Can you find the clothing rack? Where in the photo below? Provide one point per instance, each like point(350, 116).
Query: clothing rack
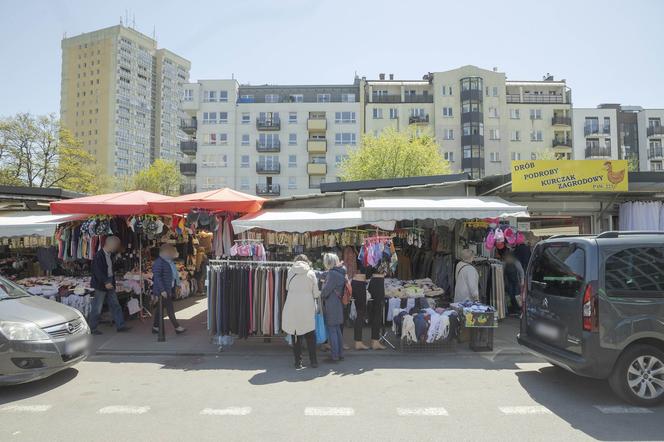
point(217, 262)
point(249, 240)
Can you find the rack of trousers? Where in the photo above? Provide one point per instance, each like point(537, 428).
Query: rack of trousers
point(246, 298)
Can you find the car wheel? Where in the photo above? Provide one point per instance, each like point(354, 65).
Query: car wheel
point(638, 376)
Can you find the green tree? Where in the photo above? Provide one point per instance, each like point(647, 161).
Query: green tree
point(394, 154)
point(36, 151)
point(161, 177)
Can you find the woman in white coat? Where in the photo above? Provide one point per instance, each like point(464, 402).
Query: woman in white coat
point(298, 319)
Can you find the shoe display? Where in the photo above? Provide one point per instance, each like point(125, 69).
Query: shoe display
point(376, 345)
point(359, 345)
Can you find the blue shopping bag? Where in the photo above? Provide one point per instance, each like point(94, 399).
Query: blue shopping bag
point(321, 332)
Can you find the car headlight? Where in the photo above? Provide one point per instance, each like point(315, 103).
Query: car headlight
point(84, 323)
point(22, 331)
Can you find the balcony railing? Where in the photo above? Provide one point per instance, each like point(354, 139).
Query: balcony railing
point(562, 142)
point(596, 130)
point(655, 153)
point(272, 146)
point(317, 168)
point(655, 130)
point(561, 121)
point(471, 95)
point(268, 189)
point(188, 169)
point(419, 98)
point(540, 99)
point(472, 117)
point(188, 125)
point(189, 147)
point(316, 146)
point(268, 168)
point(418, 119)
point(392, 98)
point(598, 152)
point(268, 124)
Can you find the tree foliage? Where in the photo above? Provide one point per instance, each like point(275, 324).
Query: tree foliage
point(394, 154)
point(36, 151)
point(161, 177)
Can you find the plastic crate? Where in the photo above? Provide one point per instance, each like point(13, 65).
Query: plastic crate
point(481, 339)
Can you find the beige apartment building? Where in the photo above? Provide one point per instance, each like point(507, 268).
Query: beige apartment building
point(121, 97)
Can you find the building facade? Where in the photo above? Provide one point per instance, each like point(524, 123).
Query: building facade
point(121, 97)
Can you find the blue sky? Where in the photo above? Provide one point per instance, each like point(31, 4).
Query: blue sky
point(609, 51)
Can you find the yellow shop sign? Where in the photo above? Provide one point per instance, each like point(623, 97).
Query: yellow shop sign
point(569, 176)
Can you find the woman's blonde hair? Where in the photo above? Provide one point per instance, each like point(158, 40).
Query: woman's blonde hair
point(330, 260)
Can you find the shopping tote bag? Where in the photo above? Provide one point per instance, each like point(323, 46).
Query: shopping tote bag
point(321, 333)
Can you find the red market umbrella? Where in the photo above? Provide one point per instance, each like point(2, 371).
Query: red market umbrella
point(220, 200)
point(135, 202)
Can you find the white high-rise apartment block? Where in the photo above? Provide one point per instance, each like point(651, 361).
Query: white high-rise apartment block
point(595, 134)
point(651, 135)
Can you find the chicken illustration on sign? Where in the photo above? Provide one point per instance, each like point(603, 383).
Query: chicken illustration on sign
point(569, 176)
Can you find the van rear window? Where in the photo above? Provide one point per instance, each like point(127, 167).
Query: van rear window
point(636, 271)
point(559, 269)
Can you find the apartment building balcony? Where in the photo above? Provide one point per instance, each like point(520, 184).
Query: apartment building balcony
point(656, 153)
point(562, 142)
point(317, 168)
point(189, 147)
point(268, 124)
point(389, 98)
point(418, 98)
point(419, 119)
point(596, 131)
point(654, 131)
point(272, 146)
point(472, 140)
point(188, 125)
point(316, 146)
point(188, 169)
point(471, 95)
point(268, 190)
point(536, 98)
point(266, 168)
point(561, 121)
point(317, 123)
point(187, 188)
point(598, 152)
point(472, 117)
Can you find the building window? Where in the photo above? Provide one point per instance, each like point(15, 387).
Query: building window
point(209, 96)
point(449, 156)
point(223, 139)
point(447, 112)
point(340, 159)
point(246, 118)
point(533, 156)
point(292, 182)
point(271, 98)
point(292, 160)
point(515, 114)
point(494, 134)
point(447, 91)
point(347, 98)
point(296, 98)
point(344, 117)
point(244, 161)
point(223, 117)
point(246, 98)
point(223, 96)
point(535, 114)
point(245, 139)
point(494, 91)
point(244, 183)
point(377, 113)
point(448, 134)
point(292, 139)
point(535, 135)
point(209, 117)
point(516, 156)
point(494, 157)
point(493, 112)
point(292, 117)
point(515, 135)
point(188, 94)
point(223, 160)
point(394, 113)
point(344, 138)
point(323, 98)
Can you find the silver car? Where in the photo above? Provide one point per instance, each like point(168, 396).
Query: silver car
point(38, 337)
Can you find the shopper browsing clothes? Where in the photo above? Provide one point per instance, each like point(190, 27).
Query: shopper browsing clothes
point(165, 278)
point(332, 292)
point(467, 280)
point(359, 287)
point(377, 291)
point(300, 309)
point(514, 277)
point(103, 282)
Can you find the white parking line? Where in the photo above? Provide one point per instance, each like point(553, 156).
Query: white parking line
point(123, 409)
point(329, 411)
point(620, 409)
point(428, 411)
point(230, 411)
point(26, 408)
point(531, 409)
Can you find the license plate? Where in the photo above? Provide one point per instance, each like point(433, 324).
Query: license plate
point(547, 331)
point(77, 346)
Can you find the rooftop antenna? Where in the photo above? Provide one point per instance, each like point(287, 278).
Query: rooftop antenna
point(154, 32)
point(133, 21)
point(127, 17)
point(120, 20)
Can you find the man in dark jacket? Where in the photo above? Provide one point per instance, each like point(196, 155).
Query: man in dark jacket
point(164, 277)
point(103, 281)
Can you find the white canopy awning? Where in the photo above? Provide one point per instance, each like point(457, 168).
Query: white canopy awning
point(19, 224)
point(444, 208)
point(304, 220)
